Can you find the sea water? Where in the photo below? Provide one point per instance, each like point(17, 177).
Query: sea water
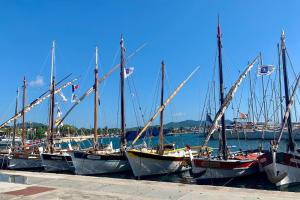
point(194, 139)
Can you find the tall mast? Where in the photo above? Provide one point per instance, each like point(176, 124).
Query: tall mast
point(122, 70)
point(291, 144)
point(224, 145)
point(161, 128)
point(280, 89)
point(23, 113)
point(52, 89)
point(96, 97)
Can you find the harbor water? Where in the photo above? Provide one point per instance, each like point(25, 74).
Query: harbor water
point(195, 139)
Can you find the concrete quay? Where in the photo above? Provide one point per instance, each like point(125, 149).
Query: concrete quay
point(38, 185)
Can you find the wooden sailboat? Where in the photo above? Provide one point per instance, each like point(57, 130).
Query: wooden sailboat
point(164, 159)
point(100, 159)
point(54, 160)
point(5, 154)
point(25, 158)
point(227, 165)
point(283, 168)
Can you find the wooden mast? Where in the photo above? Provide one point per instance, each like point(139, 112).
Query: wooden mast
point(122, 71)
point(23, 114)
point(96, 97)
point(161, 128)
point(15, 122)
point(167, 101)
point(291, 144)
point(280, 88)
point(223, 133)
point(52, 99)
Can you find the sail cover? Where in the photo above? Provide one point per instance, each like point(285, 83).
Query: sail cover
point(227, 101)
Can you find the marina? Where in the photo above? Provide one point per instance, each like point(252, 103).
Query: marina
point(98, 105)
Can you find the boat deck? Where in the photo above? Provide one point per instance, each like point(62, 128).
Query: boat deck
point(60, 186)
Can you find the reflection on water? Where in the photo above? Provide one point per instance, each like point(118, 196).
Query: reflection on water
point(13, 179)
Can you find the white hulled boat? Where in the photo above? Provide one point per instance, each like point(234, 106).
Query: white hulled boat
point(283, 168)
point(164, 159)
point(98, 159)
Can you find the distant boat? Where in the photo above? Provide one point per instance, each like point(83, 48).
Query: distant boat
point(227, 165)
point(283, 168)
point(164, 158)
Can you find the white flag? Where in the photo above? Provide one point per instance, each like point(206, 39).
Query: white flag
point(128, 71)
point(63, 96)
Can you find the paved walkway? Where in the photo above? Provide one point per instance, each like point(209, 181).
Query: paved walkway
point(59, 186)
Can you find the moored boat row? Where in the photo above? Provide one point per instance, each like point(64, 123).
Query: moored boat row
point(282, 168)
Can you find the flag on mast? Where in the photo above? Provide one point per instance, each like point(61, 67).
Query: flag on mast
point(128, 72)
point(265, 70)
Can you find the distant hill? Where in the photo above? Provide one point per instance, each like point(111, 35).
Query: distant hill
point(186, 123)
point(189, 124)
point(32, 125)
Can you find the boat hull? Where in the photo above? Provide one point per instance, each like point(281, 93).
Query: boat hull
point(4, 160)
point(284, 172)
point(57, 162)
point(25, 163)
point(90, 164)
point(146, 164)
point(204, 169)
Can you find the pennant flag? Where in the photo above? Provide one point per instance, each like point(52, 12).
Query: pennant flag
point(243, 115)
point(74, 98)
point(128, 71)
point(265, 70)
point(63, 96)
point(74, 87)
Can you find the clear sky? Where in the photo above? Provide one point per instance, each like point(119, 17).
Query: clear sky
point(183, 33)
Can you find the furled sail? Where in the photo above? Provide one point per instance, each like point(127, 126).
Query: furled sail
point(164, 105)
point(37, 102)
point(227, 101)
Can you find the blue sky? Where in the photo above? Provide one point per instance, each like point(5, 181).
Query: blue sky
point(183, 33)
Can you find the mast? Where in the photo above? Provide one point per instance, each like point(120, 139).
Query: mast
point(166, 102)
point(291, 144)
point(15, 122)
point(23, 113)
point(96, 97)
point(280, 89)
point(122, 71)
point(224, 145)
point(51, 106)
point(227, 101)
point(161, 129)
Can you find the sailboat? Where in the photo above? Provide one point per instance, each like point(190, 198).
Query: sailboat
point(25, 158)
point(102, 159)
point(283, 168)
point(54, 160)
point(226, 165)
point(5, 154)
point(164, 159)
